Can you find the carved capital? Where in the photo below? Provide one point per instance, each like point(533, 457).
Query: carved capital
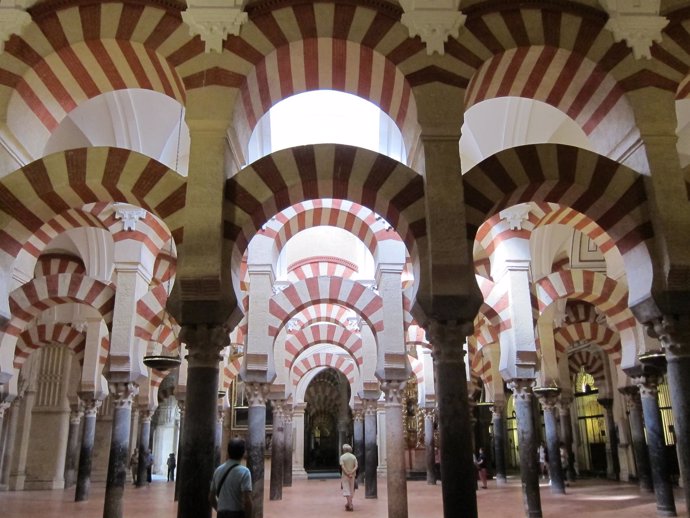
point(358, 415)
point(12, 21)
point(564, 405)
point(129, 216)
point(369, 406)
point(631, 394)
point(648, 385)
point(214, 20)
point(522, 388)
point(278, 409)
point(256, 393)
point(75, 415)
point(393, 391)
point(122, 393)
point(287, 415)
point(447, 339)
point(145, 414)
point(204, 343)
point(90, 406)
point(673, 331)
point(429, 413)
point(433, 21)
point(497, 409)
point(638, 23)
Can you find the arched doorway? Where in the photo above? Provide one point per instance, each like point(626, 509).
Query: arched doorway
point(328, 421)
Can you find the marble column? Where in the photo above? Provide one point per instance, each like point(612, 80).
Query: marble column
point(358, 418)
point(256, 443)
point(4, 432)
point(396, 480)
point(567, 434)
point(644, 470)
point(499, 426)
point(458, 473)
point(122, 394)
point(10, 440)
point(612, 461)
point(429, 456)
point(277, 450)
point(204, 344)
point(145, 415)
point(180, 457)
point(218, 440)
point(528, 439)
point(72, 457)
point(674, 334)
point(549, 399)
point(663, 488)
point(287, 458)
point(90, 406)
point(370, 448)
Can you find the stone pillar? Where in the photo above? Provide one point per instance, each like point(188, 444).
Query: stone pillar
point(358, 418)
point(396, 480)
point(204, 343)
point(10, 439)
point(458, 473)
point(122, 394)
point(287, 458)
point(90, 406)
point(567, 434)
point(381, 437)
point(499, 426)
point(298, 454)
point(612, 461)
point(180, 457)
point(674, 334)
point(527, 440)
point(429, 455)
point(145, 415)
point(277, 450)
point(370, 448)
point(4, 432)
point(218, 441)
point(663, 489)
point(256, 393)
point(549, 399)
point(644, 470)
point(72, 457)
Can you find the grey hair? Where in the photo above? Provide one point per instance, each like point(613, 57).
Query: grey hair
point(347, 448)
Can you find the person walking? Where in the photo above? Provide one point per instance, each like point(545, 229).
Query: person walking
point(134, 465)
point(348, 466)
point(172, 464)
point(231, 485)
point(482, 463)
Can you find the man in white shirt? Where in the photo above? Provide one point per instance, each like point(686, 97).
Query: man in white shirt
point(231, 486)
point(348, 466)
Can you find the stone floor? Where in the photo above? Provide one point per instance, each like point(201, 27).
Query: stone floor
point(320, 498)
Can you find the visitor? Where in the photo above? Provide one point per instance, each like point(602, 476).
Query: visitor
point(348, 467)
point(134, 465)
point(481, 464)
point(231, 485)
point(543, 461)
point(171, 467)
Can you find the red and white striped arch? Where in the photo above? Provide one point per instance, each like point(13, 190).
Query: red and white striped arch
point(592, 363)
point(325, 290)
point(292, 176)
point(45, 334)
point(297, 343)
point(164, 267)
point(608, 295)
point(55, 185)
point(231, 371)
point(417, 367)
point(608, 340)
point(34, 297)
point(340, 362)
point(319, 266)
point(324, 312)
point(52, 264)
point(577, 311)
point(153, 322)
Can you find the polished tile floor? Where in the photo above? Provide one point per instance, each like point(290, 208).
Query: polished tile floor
point(314, 498)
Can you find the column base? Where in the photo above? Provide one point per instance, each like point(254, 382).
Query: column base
point(666, 512)
point(299, 474)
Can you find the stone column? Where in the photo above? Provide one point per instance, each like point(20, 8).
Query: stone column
point(145, 415)
point(663, 489)
point(90, 406)
point(72, 457)
point(4, 432)
point(527, 441)
point(674, 334)
point(180, 457)
point(8, 452)
point(458, 473)
point(429, 455)
point(370, 448)
point(644, 470)
point(122, 394)
point(277, 450)
point(567, 434)
point(396, 480)
point(256, 393)
point(358, 418)
point(298, 454)
point(204, 343)
point(218, 441)
point(499, 426)
point(549, 399)
point(612, 461)
point(287, 459)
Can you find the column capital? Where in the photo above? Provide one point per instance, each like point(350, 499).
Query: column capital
point(497, 408)
point(648, 385)
point(428, 412)
point(358, 415)
point(673, 331)
point(522, 387)
point(452, 333)
point(392, 390)
point(548, 397)
point(256, 393)
point(90, 405)
point(204, 343)
point(75, 415)
point(287, 414)
point(145, 414)
point(123, 393)
point(369, 406)
point(279, 407)
point(631, 393)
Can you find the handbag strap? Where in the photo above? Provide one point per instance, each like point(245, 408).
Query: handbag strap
point(222, 480)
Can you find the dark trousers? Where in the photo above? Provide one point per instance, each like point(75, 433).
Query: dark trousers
point(171, 474)
point(230, 514)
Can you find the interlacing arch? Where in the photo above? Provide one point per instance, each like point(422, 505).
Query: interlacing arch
point(154, 322)
point(340, 362)
point(591, 363)
point(300, 341)
point(39, 335)
point(323, 312)
point(608, 340)
point(54, 263)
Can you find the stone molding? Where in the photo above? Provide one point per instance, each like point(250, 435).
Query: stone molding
point(256, 393)
point(123, 393)
point(638, 23)
point(434, 21)
point(214, 20)
point(648, 385)
point(522, 388)
point(393, 391)
point(674, 334)
point(129, 216)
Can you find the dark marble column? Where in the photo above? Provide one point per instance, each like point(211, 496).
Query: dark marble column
point(218, 440)
point(180, 457)
point(358, 418)
point(204, 343)
point(277, 450)
point(121, 394)
point(287, 458)
point(256, 443)
point(639, 443)
point(145, 415)
point(613, 468)
point(528, 439)
point(371, 453)
point(549, 399)
point(567, 434)
point(8, 452)
point(88, 435)
point(458, 473)
point(396, 473)
point(674, 334)
point(499, 426)
point(72, 455)
point(429, 456)
point(663, 489)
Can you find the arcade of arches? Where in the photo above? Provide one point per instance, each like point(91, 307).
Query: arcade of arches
point(508, 265)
